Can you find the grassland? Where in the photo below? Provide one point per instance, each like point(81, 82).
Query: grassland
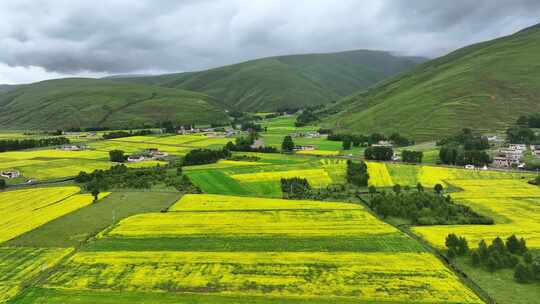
point(19, 265)
point(270, 83)
point(483, 87)
point(24, 210)
point(79, 102)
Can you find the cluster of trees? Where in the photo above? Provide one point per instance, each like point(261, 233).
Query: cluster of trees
point(120, 134)
point(412, 156)
point(378, 153)
point(500, 254)
point(357, 173)
point(456, 155)
point(306, 117)
point(522, 132)
point(244, 144)
point(251, 126)
point(21, 144)
point(296, 188)
point(423, 208)
point(205, 156)
point(120, 176)
point(368, 140)
point(3, 184)
point(117, 156)
point(464, 148)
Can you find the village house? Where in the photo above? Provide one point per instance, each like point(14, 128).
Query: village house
point(383, 143)
point(510, 156)
point(10, 174)
point(154, 153)
point(257, 144)
point(307, 134)
point(72, 147)
point(215, 135)
point(136, 158)
point(305, 148)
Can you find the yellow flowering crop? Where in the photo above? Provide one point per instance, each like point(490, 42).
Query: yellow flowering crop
point(513, 204)
point(316, 177)
point(18, 264)
point(254, 223)
point(399, 277)
point(24, 210)
point(318, 152)
point(211, 202)
point(378, 175)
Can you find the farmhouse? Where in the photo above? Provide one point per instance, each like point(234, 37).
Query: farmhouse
point(382, 143)
point(10, 174)
point(307, 134)
point(154, 153)
point(259, 143)
point(72, 147)
point(215, 135)
point(305, 148)
point(135, 158)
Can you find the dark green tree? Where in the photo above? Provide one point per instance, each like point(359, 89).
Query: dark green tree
point(347, 144)
point(438, 188)
point(419, 187)
point(287, 145)
point(117, 156)
point(522, 274)
point(397, 188)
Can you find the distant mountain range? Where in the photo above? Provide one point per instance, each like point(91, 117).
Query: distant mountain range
point(485, 86)
point(197, 97)
point(289, 81)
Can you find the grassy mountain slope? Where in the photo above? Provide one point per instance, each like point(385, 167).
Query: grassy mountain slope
point(296, 80)
point(80, 102)
point(484, 86)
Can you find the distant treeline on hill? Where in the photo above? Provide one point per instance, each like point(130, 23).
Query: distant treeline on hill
point(21, 144)
point(368, 140)
point(121, 134)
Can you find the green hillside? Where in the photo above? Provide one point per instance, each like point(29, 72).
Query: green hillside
point(80, 102)
point(484, 86)
point(296, 80)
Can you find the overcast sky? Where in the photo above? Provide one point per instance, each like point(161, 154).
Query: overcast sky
point(53, 38)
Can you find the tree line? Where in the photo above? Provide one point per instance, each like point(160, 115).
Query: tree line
point(423, 208)
point(120, 176)
point(511, 253)
point(21, 144)
point(465, 148)
point(121, 134)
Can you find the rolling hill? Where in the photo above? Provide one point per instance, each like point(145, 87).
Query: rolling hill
point(288, 81)
point(484, 86)
point(82, 102)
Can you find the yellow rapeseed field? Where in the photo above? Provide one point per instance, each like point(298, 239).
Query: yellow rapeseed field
point(18, 264)
point(253, 223)
point(318, 152)
point(513, 204)
point(209, 202)
point(316, 177)
point(24, 210)
point(378, 175)
point(392, 277)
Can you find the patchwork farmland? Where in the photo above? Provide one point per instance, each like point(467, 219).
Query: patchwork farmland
point(232, 238)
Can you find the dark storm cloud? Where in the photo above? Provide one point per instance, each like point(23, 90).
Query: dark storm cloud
point(121, 36)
